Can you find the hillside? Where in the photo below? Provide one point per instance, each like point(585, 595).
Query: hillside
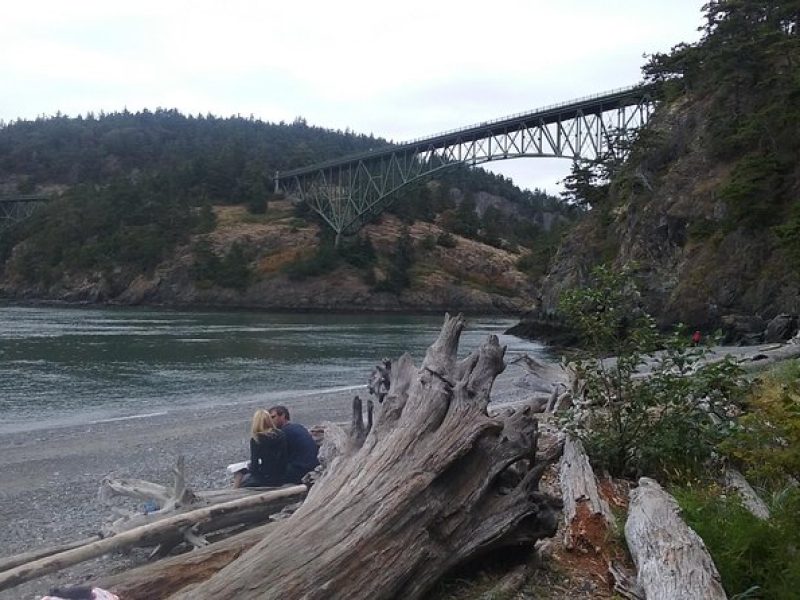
point(707, 209)
point(162, 208)
point(275, 261)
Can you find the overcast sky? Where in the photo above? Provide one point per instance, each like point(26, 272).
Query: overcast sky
point(399, 70)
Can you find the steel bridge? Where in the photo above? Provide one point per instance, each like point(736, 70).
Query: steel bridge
point(347, 192)
point(17, 208)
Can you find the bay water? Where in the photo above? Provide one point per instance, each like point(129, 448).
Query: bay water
point(79, 365)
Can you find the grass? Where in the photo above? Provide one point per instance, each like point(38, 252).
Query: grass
point(755, 558)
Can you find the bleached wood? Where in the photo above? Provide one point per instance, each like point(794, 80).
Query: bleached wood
point(671, 560)
point(735, 481)
point(217, 516)
point(430, 487)
point(160, 579)
point(10, 562)
point(587, 516)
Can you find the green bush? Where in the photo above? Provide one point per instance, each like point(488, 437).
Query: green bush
point(762, 557)
point(230, 271)
point(766, 440)
point(324, 260)
point(657, 425)
point(358, 252)
point(446, 240)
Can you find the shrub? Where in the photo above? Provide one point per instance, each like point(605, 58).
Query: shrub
point(767, 439)
point(446, 240)
point(231, 271)
point(324, 260)
point(658, 425)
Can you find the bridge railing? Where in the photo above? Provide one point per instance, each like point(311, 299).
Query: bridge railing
point(548, 108)
point(400, 146)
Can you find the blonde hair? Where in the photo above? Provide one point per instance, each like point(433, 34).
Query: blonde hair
point(262, 424)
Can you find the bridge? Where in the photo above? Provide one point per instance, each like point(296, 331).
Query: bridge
point(349, 191)
point(19, 207)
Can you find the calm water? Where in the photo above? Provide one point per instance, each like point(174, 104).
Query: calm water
point(66, 365)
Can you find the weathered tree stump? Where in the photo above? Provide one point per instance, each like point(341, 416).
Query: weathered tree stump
point(671, 559)
point(430, 486)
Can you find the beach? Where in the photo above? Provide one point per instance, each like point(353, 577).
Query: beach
point(49, 477)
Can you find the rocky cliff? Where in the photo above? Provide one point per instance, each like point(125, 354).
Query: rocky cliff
point(666, 216)
point(707, 207)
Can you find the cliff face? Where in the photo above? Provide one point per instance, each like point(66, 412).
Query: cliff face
point(667, 214)
point(468, 276)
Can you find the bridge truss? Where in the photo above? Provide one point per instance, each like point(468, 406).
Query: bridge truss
point(17, 208)
point(347, 192)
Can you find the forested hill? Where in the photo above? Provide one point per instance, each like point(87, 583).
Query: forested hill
point(707, 208)
point(152, 197)
point(202, 154)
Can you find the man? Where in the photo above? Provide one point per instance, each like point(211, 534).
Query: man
point(302, 451)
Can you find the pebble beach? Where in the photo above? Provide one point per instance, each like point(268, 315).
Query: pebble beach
point(49, 477)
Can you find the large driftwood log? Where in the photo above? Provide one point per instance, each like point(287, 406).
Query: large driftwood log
point(587, 516)
point(163, 530)
point(161, 578)
point(430, 486)
point(671, 560)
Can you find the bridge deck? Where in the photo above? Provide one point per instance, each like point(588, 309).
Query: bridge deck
point(595, 104)
point(24, 198)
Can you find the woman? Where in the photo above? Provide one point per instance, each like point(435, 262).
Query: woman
point(268, 457)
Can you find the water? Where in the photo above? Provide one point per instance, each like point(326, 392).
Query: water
point(68, 365)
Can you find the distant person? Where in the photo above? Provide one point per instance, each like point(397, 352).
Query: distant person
point(696, 337)
point(268, 454)
point(301, 447)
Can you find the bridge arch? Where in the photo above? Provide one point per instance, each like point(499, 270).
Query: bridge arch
point(347, 192)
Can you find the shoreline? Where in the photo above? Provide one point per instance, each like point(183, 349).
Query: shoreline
point(234, 308)
point(49, 478)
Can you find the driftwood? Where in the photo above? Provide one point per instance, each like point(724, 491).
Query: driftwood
point(161, 531)
point(20, 559)
point(435, 482)
point(735, 481)
point(159, 579)
point(587, 516)
point(671, 559)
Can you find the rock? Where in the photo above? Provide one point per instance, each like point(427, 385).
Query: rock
point(781, 328)
point(742, 329)
point(546, 329)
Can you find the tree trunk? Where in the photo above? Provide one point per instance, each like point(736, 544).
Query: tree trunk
point(671, 559)
point(587, 517)
point(429, 487)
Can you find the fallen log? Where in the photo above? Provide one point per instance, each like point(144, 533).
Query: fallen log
point(587, 516)
point(161, 578)
point(671, 560)
point(162, 531)
point(735, 481)
point(20, 559)
point(431, 486)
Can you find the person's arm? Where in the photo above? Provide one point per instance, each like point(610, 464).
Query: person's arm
point(253, 456)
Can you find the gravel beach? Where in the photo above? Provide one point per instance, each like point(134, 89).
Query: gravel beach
point(49, 478)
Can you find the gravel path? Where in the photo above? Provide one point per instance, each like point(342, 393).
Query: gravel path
point(49, 478)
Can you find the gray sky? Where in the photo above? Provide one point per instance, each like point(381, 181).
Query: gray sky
point(401, 70)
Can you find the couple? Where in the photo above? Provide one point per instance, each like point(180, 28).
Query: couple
point(280, 451)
